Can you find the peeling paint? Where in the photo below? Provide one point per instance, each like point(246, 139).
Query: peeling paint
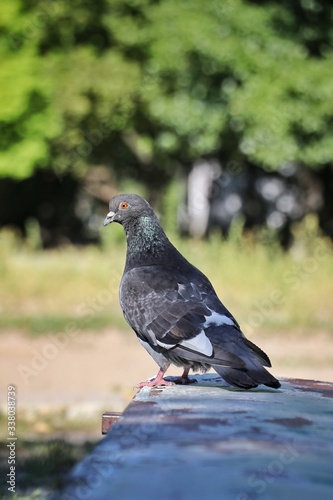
point(314, 386)
point(291, 422)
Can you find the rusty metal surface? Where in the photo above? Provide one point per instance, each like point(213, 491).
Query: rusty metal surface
point(210, 441)
point(108, 419)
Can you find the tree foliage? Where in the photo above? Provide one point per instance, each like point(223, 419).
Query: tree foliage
point(143, 85)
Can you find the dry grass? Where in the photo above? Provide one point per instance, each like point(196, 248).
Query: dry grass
point(263, 287)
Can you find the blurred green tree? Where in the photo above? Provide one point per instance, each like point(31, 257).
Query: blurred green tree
point(146, 85)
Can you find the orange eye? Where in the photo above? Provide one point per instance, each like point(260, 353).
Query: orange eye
point(123, 205)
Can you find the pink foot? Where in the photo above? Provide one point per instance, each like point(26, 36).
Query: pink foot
point(154, 383)
point(184, 378)
point(158, 380)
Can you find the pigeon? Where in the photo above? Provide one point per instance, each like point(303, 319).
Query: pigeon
point(173, 308)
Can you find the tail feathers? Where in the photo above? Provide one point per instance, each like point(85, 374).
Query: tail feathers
point(259, 353)
point(247, 378)
point(238, 378)
point(275, 384)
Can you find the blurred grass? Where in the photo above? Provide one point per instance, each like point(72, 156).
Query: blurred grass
point(264, 287)
point(43, 466)
point(50, 444)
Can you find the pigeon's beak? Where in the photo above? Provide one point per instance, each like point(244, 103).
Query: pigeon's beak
point(109, 218)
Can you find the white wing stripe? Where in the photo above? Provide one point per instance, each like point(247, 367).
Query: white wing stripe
point(200, 344)
point(218, 319)
point(166, 346)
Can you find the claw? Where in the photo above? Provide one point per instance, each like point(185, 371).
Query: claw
point(158, 380)
point(184, 378)
point(185, 381)
point(153, 383)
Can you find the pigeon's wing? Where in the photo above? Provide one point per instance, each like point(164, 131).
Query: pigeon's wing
point(171, 311)
point(253, 372)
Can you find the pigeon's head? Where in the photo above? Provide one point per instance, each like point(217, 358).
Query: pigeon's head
point(126, 207)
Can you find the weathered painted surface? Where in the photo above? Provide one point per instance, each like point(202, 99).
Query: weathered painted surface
point(210, 441)
point(109, 418)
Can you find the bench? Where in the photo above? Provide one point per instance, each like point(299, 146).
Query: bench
point(211, 441)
